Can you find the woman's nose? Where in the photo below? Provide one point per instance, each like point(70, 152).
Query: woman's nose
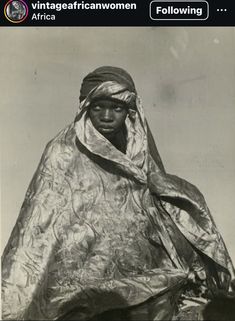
point(107, 115)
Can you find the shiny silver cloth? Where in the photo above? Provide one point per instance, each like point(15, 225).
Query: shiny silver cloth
point(100, 230)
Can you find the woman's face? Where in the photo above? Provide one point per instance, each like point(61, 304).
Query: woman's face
point(108, 116)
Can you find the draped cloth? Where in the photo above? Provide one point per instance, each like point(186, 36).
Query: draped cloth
point(103, 74)
point(100, 230)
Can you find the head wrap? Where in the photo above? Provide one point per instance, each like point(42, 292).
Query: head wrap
point(104, 74)
point(116, 83)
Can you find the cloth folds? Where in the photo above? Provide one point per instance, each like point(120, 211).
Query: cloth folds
point(101, 230)
point(103, 74)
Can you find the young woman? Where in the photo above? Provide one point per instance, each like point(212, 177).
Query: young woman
point(104, 232)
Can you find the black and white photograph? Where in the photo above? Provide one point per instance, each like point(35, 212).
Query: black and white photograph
point(117, 173)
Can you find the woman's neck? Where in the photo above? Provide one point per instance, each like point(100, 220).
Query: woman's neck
point(119, 140)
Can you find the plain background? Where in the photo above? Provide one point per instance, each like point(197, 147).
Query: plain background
point(185, 77)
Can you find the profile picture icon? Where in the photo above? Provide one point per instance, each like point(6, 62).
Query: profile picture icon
point(16, 11)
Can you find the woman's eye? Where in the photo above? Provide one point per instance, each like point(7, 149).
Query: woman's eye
point(96, 108)
point(118, 108)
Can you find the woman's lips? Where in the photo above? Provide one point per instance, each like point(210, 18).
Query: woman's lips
point(106, 129)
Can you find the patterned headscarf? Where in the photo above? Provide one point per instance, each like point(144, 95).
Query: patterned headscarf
point(115, 83)
point(103, 74)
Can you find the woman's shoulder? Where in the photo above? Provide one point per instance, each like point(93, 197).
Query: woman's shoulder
point(64, 141)
point(61, 149)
